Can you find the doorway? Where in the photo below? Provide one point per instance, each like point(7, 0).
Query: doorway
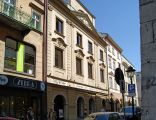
point(59, 107)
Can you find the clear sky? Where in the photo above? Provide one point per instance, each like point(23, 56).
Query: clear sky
point(120, 19)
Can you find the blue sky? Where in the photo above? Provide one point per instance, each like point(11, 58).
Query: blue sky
point(119, 18)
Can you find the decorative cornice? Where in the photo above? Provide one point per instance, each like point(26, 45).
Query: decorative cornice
point(79, 53)
point(50, 7)
point(90, 58)
point(111, 73)
point(59, 41)
point(102, 65)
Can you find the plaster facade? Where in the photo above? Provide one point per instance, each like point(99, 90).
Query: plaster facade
point(65, 82)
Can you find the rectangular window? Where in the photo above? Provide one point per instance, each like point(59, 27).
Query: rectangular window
point(113, 51)
point(90, 47)
point(110, 82)
point(78, 66)
point(29, 61)
point(79, 40)
point(101, 55)
point(109, 62)
point(102, 75)
point(19, 57)
point(36, 20)
point(90, 70)
point(9, 7)
point(58, 57)
point(114, 66)
point(59, 26)
point(10, 54)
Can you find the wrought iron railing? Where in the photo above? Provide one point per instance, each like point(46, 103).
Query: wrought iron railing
point(17, 14)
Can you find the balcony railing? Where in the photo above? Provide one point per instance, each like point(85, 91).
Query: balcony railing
point(16, 14)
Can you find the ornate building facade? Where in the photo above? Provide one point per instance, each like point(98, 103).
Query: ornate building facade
point(77, 70)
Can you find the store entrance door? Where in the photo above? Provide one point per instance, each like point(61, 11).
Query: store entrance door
point(35, 104)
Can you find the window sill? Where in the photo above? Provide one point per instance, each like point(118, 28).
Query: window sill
point(60, 34)
point(101, 60)
point(16, 72)
point(91, 78)
point(80, 75)
point(90, 52)
point(59, 68)
point(79, 46)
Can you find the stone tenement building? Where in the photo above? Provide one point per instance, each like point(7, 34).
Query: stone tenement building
point(114, 60)
point(21, 39)
point(148, 58)
point(77, 70)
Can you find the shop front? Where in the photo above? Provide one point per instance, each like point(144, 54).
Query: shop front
point(18, 94)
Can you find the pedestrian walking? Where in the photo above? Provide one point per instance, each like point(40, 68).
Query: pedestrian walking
point(30, 114)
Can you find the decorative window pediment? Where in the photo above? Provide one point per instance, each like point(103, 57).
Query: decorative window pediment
point(91, 59)
point(83, 17)
point(79, 53)
point(111, 73)
point(59, 42)
point(102, 65)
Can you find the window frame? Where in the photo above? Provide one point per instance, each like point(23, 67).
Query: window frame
point(101, 55)
point(90, 44)
point(78, 35)
point(90, 70)
point(15, 70)
point(35, 19)
point(57, 28)
point(102, 79)
point(61, 66)
point(77, 71)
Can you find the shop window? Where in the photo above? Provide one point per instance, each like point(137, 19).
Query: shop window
point(59, 26)
point(36, 20)
point(78, 66)
point(19, 57)
point(102, 75)
point(79, 40)
point(90, 71)
point(90, 47)
point(58, 57)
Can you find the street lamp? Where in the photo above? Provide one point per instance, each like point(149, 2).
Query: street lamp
point(111, 95)
point(130, 72)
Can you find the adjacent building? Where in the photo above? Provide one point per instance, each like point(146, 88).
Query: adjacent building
point(21, 39)
point(77, 64)
point(138, 80)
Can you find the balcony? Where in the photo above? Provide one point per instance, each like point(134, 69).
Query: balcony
point(15, 17)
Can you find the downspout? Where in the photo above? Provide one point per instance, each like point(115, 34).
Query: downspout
point(44, 62)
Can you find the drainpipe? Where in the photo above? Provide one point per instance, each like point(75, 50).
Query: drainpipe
point(44, 61)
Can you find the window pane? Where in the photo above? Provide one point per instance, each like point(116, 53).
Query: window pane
point(58, 58)
point(101, 55)
point(11, 43)
point(29, 59)
point(36, 18)
point(79, 39)
point(29, 50)
point(90, 47)
point(78, 66)
point(59, 26)
point(90, 70)
point(102, 75)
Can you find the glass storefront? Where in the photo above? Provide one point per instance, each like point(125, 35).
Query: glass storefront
point(16, 106)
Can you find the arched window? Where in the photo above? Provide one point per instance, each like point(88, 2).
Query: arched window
point(91, 105)
point(80, 107)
